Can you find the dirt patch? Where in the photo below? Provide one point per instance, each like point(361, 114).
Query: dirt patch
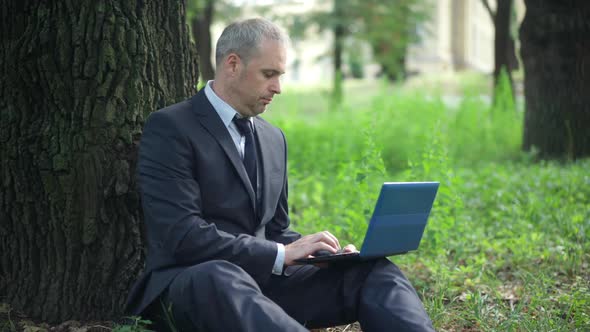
point(13, 321)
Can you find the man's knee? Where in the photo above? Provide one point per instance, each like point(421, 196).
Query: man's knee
point(195, 287)
point(189, 296)
point(384, 264)
point(378, 265)
point(383, 271)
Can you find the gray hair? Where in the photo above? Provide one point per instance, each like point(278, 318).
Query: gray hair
point(244, 38)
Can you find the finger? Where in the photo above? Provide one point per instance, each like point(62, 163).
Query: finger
point(296, 250)
point(317, 241)
point(308, 250)
point(334, 238)
point(350, 248)
point(321, 246)
point(310, 239)
point(328, 238)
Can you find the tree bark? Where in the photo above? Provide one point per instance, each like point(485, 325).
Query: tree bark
point(502, 42)
point(556, 56)
point(504, 48)
point(78, 79)
point(201, 26)
point(339, 34)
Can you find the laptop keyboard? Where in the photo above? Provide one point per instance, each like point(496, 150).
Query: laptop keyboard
point(340, 252)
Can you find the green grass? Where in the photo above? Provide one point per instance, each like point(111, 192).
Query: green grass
point(505, 248)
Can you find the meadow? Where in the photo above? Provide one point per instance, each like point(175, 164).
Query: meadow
point(506, 244)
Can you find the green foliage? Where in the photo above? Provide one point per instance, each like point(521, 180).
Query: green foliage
point(506, 245)
point(387, 26)
point(337, 90)
point(6, 319)
point(472, 132)
point(168, 316)
point(517, 251)
point(355, 60)
point(224, 11)
point(390, 27)
point(137, 324)
point(504, 98)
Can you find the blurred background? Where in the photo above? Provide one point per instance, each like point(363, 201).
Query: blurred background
point(367, 40)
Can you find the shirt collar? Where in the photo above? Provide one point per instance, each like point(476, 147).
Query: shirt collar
point(225, 111)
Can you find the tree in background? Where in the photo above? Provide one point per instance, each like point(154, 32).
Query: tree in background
point(201, 15)
point(388, 26)
point(555, 51)
point(339, 20)
point(77, 81)
point(504, 45)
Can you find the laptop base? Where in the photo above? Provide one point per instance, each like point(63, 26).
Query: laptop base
point(343, 257)
point(349, 257)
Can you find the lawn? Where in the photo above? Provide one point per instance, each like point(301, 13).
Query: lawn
point(505, 248)
point(506, 245)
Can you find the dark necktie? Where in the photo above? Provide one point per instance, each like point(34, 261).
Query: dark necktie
point(250, 155)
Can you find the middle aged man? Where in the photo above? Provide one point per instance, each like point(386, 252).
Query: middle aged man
point(213, 178)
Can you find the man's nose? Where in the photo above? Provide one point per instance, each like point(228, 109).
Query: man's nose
point(275, 86)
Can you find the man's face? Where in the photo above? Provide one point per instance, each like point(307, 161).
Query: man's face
point(257, 82)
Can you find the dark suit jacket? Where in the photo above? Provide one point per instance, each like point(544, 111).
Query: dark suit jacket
point(197, 199)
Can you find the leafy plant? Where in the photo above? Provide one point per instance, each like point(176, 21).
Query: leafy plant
point(506, 245)
point(135, 324)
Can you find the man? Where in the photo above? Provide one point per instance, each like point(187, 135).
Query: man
point(213, 178)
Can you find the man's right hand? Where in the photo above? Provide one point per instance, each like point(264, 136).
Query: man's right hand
point(309, 244)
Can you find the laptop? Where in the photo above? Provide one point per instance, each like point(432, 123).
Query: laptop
point(397, 224)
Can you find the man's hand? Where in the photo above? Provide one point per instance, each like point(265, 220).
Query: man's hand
point(309, 244)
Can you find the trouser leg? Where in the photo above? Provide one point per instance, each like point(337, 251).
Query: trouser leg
point(387, 299)
point(220, 296)
point(318, 297)
point(375, 293)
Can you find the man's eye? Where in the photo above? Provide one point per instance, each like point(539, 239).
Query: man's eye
point(268, 74)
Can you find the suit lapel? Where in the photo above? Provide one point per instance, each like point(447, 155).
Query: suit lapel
point(213, 124)
point(268, 160)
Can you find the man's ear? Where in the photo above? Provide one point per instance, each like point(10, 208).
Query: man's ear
point(232, 63)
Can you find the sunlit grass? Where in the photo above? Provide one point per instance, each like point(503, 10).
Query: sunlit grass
point(505, 248)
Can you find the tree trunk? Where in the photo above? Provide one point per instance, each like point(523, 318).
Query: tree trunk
point(397, 73)
point(78, 79)
point(201, 26)
point(339, 33)
point(556, 56)
point(338, 77)
point(502, 42)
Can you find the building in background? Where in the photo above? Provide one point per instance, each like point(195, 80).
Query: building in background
point(309, 59)
point(458, 36)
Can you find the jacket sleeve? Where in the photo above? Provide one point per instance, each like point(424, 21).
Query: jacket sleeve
point(278, 228)
point(173, 207)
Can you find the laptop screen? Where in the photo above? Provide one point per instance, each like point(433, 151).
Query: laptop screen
point(399, 218)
